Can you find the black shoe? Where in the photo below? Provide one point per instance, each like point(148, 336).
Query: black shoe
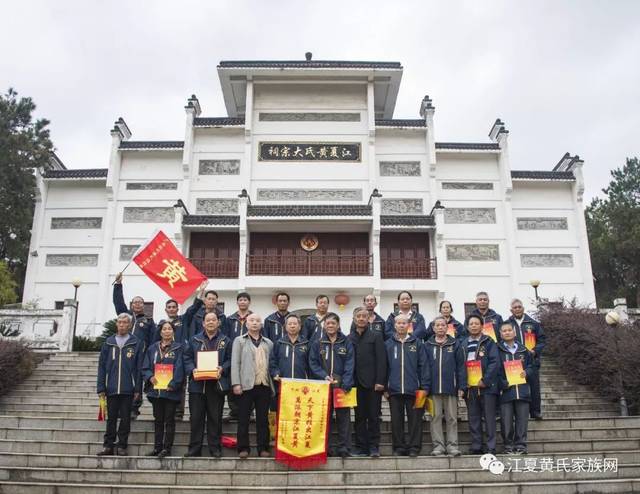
point(215, 453)
point(155, 452)
point(508, 451)
point(344, 454)
point(520, 452)
point(105, 452)
point(121, 451)
point(475, 452)
point(413, 454)
point(538, 416)
point(192, 454)
point(358, 453)
point(399, 452)
point(491, 452)
point(163, 453)
point(375, 452)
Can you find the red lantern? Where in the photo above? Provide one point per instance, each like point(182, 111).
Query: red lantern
point(341, 299)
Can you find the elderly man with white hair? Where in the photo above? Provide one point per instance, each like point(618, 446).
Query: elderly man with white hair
point(119, 380)
point(251, 383)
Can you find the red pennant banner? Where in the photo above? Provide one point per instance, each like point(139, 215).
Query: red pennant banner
point(161, 261)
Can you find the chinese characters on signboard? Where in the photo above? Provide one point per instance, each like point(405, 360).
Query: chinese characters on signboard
point(301, 151)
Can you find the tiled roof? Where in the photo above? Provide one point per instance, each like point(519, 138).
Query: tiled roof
point(203, 219)
point(146, 145)
point(217, 121)
point(312, 64)
point(541, 175)
point(77, 173)
point(407, 220)
point(401, 122)
point(479, 146)
point(309, 210)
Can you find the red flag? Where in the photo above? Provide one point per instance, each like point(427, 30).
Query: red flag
point(161, 261)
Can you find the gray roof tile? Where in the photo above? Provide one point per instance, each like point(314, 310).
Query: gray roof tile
point(312, 64)
point(88, 173)
point(542, 175)
point(407, 220)
point(401, 122)
point(217, 121)
point(147, 145)
point(479, 146)
point(203, 219)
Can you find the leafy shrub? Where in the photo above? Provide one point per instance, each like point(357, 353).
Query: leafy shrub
point(17, 362)
point(82, 344)
point(594, 353)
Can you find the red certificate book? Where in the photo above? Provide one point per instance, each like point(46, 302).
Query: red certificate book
point(530, 340)
point(487, 328)
point(451, 330)
point(163, 374)
point(342, 399)
point(474, 372)
point(515, 372)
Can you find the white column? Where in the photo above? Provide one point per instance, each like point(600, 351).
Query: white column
point(37, 231)
point(243, 247)
point(375, 242)
point(583, 254)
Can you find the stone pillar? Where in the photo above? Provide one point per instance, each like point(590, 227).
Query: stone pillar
point(66, 331)
point(243, 204)
point(374, 243)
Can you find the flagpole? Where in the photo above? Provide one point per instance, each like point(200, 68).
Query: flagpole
point(153, 235)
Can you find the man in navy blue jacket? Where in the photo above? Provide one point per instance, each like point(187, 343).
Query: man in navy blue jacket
point(408, 372)
point(332, 359)
point(482, 398)
point(445, 358)
point(514, 399)
point(314, 324)
point(119, 380)
point(210, 301)
point(491, 320)
point(273, 327)
point(529, 333)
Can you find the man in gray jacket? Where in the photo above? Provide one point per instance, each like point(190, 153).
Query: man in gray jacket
point(252, 384)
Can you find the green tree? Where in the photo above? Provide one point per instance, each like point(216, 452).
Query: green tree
point(613, 225)
point(7, 286)
point(24, 146)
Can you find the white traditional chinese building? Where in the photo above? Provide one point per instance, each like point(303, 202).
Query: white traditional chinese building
point(310, 150)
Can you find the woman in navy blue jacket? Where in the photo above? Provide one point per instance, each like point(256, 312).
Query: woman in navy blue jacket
point(164, 402)
point(454, 327)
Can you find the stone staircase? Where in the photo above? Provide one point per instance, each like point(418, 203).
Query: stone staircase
point(49, 436)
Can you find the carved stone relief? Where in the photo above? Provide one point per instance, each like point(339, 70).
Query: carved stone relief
point(217, 206)
point(72, 260)
point(469, 215)
point(149, 215)
point(467, 185)
point(473, 252)
point(219, 167)
point(309, 194)
point(546, 260)
point(401, 206)
point(542, 223)
point(399, 168)
point(127, 251)
point(77, 223)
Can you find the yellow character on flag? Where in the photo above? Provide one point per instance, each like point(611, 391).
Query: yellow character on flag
point(174, 272)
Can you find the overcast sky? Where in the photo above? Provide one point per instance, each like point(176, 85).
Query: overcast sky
point(563, 75)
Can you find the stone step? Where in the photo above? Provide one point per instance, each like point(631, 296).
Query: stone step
point(569, 486)
point(64, 399)
point(135, 448)
point(178, 463)
point(182, 434)
point(75, 423)
point(285, 479)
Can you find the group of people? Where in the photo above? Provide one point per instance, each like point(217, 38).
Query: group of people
point(401, 358)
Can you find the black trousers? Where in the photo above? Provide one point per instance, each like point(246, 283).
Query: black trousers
point(479, 406)
point(534, 386)
point(179, 413)
point(164, 424)
point(399, 406)
point(206, 407)
point(260, 398)
point(233, 401)
point(514, 435)
point(367, 423)
point(339, 430)
point(118, 407)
